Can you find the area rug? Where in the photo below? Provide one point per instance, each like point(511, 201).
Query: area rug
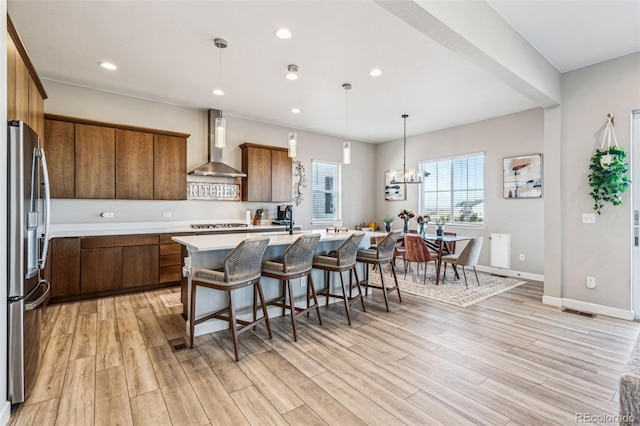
point(170, 300)
point(452, 290)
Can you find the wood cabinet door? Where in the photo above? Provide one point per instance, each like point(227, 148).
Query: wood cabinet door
point(95, 161)
point(134, 165)
point(61, 158)
point(256, 163)
point(169, 168)
point(140, 266)
point(36, 110)
point(101, 269)
point(22, 79)
point(65, 267)
point(12, 55)
point(281, 176)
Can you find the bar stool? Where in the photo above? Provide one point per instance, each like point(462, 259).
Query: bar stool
point(381, 254)
point(340, 260)
point(242, 268)
point(296, 262)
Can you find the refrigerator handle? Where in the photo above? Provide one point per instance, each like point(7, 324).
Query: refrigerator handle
point(34, 305)
point(47, 210)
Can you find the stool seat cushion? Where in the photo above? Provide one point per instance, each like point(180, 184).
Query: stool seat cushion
point(276, 266)
point(214, 276)
point(367, 254)
point(325, 260)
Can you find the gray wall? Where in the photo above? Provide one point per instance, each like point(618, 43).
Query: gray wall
point(510, 135)
point(603, 249)
point(4, 405)
point(76, 101)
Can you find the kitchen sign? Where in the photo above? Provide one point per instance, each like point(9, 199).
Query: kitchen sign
point(213, 191)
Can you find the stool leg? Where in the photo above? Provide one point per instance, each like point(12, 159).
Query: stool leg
point(327, 281)
point(192, 314)
point(310, 286)
point(393, 271)
point(232, 323)
point(283, 289)
point(292, 306)
point(255, 306)
point(384, 290)
point(344, 294)
point(258, 285)
point(355, 273)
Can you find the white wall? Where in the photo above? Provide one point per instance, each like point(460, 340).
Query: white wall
point(511, 135)
point(76, 101)
point(5, 407)
point(603, 249)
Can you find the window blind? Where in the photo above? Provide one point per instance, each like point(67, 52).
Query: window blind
point(326, 189)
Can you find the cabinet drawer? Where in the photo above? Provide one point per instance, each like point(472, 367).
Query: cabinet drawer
point(166, 249)
point(170, 260)
point(119, 241)
point(170, 273)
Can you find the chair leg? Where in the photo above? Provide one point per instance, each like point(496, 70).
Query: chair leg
point(192, 314)
point(425, 272)
point(327, 281)
point(258, 285)
point(232, 323)
point(395, 278)
point(384, 290)
point(344, 294)
point(476, 272)
point(292, 306)
point(465, 278)
point(355, 274)
point(311, 287)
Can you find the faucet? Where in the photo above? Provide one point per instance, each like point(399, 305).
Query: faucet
point(289, 216)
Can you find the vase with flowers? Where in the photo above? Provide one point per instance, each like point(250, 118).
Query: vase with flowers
point(406, 215)
point(388, 220)
point(440, 225)
point(422, 223)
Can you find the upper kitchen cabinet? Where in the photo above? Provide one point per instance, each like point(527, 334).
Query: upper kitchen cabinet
point(269, 173)
point(95, 160)
point(25, 93)
point(169, 167)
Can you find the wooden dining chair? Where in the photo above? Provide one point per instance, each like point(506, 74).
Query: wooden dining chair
point(417, 251)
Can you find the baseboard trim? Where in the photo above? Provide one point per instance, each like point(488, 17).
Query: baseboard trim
point(593, 308)
point(510, 273)
point(5, 414)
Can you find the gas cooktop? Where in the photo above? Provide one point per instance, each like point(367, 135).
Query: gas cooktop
point(218, 225)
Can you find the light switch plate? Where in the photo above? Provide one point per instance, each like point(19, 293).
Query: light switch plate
point(588, 218)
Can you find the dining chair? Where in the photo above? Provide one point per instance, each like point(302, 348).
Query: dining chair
point(468, 257)
point(242, 267)
point(417, 251)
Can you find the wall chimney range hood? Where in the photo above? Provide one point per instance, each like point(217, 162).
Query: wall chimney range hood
point(215, 166)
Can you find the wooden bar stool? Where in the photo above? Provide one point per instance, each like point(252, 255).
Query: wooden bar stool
point(343, 259)
point(242, 268)
point(383, 253)
point(296, 262)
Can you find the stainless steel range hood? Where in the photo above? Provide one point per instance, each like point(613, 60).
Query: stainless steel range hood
point(215, 166)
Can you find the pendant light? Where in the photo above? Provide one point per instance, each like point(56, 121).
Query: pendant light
point(220, 140)
point(406, 175)
point(346, 145)
point(293, 137)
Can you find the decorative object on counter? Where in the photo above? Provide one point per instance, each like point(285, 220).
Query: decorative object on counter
point(258, 217)
point(406, 175)
point(346, 145)
point(522, 176)
point(440, 225)
point(393, 191)
point(292, 145)
point(422, 223)
point(300, 174)
point(406, 215)
point(213, 191)
point(609, 171)
point(221, 123)
point(337, 229)
point(364, 226)
point(388, 220)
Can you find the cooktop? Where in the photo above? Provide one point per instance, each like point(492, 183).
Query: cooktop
point(218, 225)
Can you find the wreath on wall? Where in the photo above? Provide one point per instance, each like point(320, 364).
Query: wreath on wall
point(609, 171)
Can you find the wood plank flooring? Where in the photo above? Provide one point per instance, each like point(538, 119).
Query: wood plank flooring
point(507, 360)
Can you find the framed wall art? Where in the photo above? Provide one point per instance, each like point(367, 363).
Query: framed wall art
point(393, 191)
point(522, 176)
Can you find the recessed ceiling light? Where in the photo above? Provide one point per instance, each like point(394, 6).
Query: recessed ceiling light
point(295, 111)
point(217, 92)
point(291, 75)
point(375, 72)
point(108, 66)
point(283, 33)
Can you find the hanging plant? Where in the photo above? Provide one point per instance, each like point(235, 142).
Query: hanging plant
point(608, 178)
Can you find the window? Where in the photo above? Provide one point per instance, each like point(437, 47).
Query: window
point(326, 192)
point(454, 189)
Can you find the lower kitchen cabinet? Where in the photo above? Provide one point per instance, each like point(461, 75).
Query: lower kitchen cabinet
point(64, 263)
point(101, 269)
point(140, 266)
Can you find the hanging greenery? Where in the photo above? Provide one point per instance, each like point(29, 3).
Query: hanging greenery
point(608, 178)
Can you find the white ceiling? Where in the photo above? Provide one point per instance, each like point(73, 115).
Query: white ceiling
point(165, 52)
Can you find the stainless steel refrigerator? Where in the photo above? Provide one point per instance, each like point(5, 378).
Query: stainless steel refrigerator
point(27, 239)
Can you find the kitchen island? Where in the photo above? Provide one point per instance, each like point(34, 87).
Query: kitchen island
point(209, 252)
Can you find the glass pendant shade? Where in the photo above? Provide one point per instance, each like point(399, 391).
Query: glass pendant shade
point(293, 144)
point(346, 152)
point(220, 133)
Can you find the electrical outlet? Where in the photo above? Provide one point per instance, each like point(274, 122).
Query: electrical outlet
point(166, 214)
point(107, 214)
point(591, 282)
point(588, 218)
point(521, 257)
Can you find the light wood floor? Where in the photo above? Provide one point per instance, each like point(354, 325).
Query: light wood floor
point(508, 360)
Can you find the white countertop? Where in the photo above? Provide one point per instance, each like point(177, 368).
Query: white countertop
point(199, 243)
point(132, 228)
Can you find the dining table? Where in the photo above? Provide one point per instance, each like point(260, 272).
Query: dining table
point(441, 243)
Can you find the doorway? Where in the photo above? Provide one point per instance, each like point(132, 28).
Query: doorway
point(635, 179)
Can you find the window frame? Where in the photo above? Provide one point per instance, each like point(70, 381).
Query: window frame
point(421, 191)
point(338, 191)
